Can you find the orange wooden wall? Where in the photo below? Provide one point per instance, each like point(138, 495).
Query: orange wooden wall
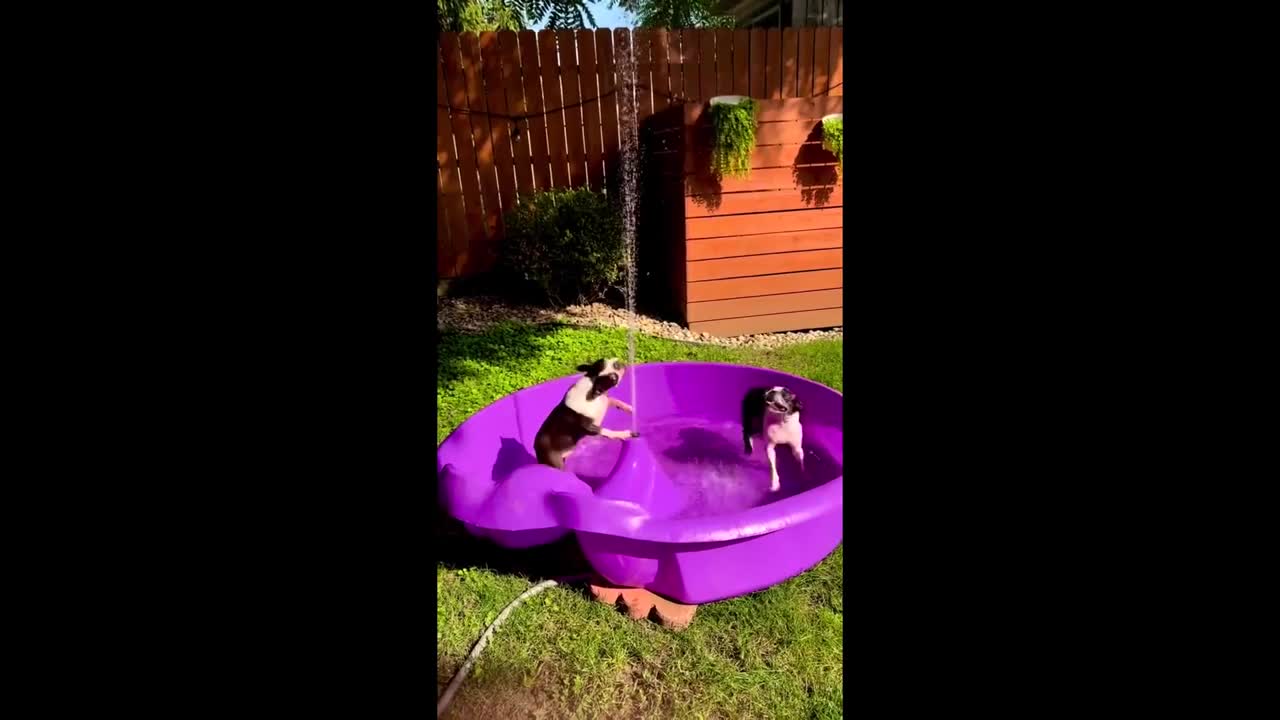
point(562, 83)
point(764, 253)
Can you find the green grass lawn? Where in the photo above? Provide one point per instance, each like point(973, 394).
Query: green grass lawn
point(772, 654)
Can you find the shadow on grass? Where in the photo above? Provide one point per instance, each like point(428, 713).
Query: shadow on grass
point(506, 345)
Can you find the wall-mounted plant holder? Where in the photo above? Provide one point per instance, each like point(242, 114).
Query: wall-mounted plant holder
point(833, 137)
point(733, 123)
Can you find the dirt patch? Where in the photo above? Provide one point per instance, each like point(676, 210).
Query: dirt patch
point(476, 314)
point(546, 696)
point(504, 696)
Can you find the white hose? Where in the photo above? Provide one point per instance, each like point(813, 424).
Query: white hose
point(456, 682)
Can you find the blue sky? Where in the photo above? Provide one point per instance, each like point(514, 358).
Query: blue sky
point(606, 17)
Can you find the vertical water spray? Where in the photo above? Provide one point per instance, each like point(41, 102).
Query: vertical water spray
point(628, 125)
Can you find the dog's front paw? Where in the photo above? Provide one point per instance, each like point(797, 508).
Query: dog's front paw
point(776, 486)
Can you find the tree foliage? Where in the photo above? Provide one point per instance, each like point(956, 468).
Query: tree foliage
point(488, 15)
point(675, 13)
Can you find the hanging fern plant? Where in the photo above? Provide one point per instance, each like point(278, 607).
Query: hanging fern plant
point(833, 138)
point(735, 137)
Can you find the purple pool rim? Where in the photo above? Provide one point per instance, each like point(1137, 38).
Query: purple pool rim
point(628, 517)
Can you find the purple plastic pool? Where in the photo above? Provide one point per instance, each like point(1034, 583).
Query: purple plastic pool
point(681, 510)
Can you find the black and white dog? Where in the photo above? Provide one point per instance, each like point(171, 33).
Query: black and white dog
point(774, 414)
point(581, 412)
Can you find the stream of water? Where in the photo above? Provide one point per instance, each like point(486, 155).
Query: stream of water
point(630, 149)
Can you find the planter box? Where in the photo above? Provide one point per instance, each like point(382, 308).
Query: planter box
point(763, 254)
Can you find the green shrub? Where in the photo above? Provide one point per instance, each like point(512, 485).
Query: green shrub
point(564, 244)
point(833, 139)
point(735, 138)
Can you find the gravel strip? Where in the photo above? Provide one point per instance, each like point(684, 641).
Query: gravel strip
point(480, 313)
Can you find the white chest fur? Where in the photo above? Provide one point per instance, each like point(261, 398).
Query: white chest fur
point(576, 400)
point(783, 429)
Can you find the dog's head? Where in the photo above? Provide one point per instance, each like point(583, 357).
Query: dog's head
point(605, 375)
point(782, 401)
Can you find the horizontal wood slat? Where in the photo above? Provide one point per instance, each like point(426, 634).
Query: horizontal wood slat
point(764, 264)
point(783, 178)
point(811, 153)
point(698, 160)
point(765, 305)
point(781, 322)
point(774, 133)
point(758, 202)
point(756, 224)
point(764, 244)
point(767, 285)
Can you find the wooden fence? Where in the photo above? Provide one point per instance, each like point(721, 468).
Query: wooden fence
point(526, 111)
point(763, 253)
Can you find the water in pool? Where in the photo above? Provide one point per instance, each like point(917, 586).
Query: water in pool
point(706, 463)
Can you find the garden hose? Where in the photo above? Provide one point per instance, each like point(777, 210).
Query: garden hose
point(447, 696)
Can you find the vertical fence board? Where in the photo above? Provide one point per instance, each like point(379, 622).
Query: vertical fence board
point(742, 62)
point(449, 200)
point(588, 77)
point(659, 52)
point(479, 117)
point(707, 61)
point(773, 64)
point(553, 106)
point(607, 71)
point(837, 62)
point(572, 96)
point(757, 69)
point(499, 120)
point(691, 64)
point(460, 129)
point(675, 65)
point(821, 60)
point(724, 61)
point(536, 126)
point(789, 54)
point(804, 81)
point(444, 252)
point(622, 49)
point(644, 74)
point(513, 87)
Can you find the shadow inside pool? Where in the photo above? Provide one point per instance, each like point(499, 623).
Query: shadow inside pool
point(456, 548)
point(511, 455)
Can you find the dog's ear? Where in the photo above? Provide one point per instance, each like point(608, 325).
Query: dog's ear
point(796, 405)
point(593, 369)
point(584, 368)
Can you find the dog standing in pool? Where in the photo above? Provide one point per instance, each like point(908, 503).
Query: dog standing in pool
point(581, 412)
point(774, 414)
